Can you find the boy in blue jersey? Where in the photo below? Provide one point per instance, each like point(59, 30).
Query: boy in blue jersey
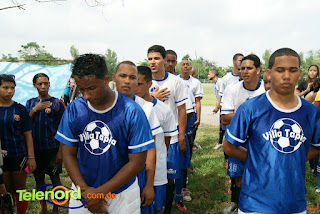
point(16, 141)
point(105, 136)
point(281, 131)
point(45, 112)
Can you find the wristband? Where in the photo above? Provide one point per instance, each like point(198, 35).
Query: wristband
point(34, 110)
point(31, 157)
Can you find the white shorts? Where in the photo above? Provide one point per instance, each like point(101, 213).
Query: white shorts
point(126, 202)
point(240, 212)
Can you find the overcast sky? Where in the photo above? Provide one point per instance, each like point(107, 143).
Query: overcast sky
point(213, 29)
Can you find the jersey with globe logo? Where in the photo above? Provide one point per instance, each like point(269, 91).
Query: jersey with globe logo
point(278, 141)
point(286, 135)
point(97, 137)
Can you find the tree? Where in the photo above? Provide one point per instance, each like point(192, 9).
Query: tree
point(9, 57)
point(112, 61)
point(34, 53)
point(265, 58)
point(143, 63)
point(74, 52)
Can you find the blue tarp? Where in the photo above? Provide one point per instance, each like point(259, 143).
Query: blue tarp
point(24, 73)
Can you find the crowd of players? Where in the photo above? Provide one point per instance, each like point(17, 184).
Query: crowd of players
point(136, 140)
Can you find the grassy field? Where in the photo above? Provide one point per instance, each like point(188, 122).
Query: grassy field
point(209, 183)
point(209, 99)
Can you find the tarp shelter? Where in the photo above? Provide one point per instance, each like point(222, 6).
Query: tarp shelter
point(24, 73)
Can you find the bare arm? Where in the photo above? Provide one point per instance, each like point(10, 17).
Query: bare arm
point(147, 192)
point(312, 153)
point(167, 141)
point(182, 121)
point(69, 155)
point(237, 152)
point(31, 161)
point(198, 111)
point(226, 118)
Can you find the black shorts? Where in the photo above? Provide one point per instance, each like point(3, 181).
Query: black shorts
point(46, 162)
point(11, 164)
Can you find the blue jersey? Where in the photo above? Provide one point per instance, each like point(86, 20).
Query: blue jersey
point(45, 123)
point(105, 138)
point(15, 121)
point(278, 142)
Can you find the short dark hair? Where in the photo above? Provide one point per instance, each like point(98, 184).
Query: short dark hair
point(146, 71)
point(7, 78)
point(39, 75)
point(254, 58)
point(282, 52)
point(90, 64)
point(126, 63)
point(158, 48)
point(172, 52)
point(215, 71)
point(237, 55)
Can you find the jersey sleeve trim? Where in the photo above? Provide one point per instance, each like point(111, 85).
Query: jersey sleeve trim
point(181, 100)
point(68, 139)
point(141, 145)
point(235, 138)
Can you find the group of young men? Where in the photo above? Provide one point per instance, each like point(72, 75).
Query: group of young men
point(269, 135)
point(136, 141)
point(133, 141)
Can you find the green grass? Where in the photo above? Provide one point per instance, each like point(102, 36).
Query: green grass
point(209, 99)
point(208, 184)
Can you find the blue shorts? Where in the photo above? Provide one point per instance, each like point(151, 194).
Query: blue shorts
point(142, 183)
point(173, 162)
point(235, 167)
point(185, 157)
point(159, 197)
point(190, 122)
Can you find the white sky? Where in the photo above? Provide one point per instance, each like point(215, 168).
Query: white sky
point(214, 29)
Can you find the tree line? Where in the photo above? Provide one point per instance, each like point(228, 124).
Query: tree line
point(34, 53)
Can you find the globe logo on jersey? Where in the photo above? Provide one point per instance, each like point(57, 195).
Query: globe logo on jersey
point(285, 135)
point(97, 138)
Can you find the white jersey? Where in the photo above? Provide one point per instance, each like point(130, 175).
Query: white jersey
point(194, 85)
point(151, 116)
point(177, 97)
point(234, 96)
point(227, 79)
point(190, 104)
point(167, 122)
point(216, 87)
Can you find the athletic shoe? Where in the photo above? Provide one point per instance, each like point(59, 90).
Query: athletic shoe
point(229, 192)
point(186, 194)
point(230, 208)
point(198, 146)
point(218, 146)
point(226, 165)
point(181, 206)
point(318, 190)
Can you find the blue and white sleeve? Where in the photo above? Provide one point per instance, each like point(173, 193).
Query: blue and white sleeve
point(316, 136)
point(140, 136)
point(64, 133)
point(181, 93)
point(238, 129)
point(227, 102)
point(170, 127)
